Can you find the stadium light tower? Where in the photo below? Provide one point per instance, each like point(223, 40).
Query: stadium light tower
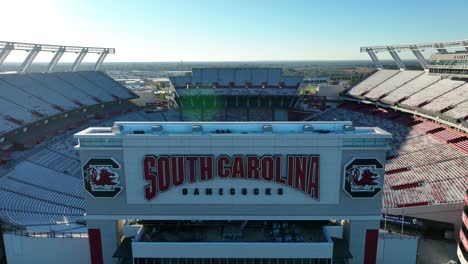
point(59, 50)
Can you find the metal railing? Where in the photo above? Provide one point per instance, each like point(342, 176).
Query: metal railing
point(51, 234)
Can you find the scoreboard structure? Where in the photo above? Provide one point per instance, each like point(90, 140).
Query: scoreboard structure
point(233, 192)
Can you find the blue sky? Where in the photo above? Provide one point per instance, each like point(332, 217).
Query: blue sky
point(237, 30)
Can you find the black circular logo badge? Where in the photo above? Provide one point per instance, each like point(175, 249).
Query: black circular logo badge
point(101, 178)
point(361, 177)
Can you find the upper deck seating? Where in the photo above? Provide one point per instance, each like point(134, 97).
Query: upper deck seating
point(410, 88)
point(392, 83)
point(431, 92)
point(98, 94)
point(108, 84)
point(371, 82)
point(26, 99)
point(72, 93)
point(460, 111)
point(450, 99)
point(39, 90)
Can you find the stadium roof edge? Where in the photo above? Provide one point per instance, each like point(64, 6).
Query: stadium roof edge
point(434, 45)
point(441, 47)
point(33, 48)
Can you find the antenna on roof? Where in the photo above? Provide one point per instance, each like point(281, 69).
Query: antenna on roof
point(181, 66)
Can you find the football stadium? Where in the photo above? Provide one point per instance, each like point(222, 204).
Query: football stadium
point(240, 167)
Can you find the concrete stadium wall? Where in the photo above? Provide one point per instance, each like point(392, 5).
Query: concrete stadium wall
point(22, 249)
point(397, 249)
point(448, 213)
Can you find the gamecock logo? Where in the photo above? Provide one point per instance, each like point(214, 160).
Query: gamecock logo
point(101, 178)
point(362, 178)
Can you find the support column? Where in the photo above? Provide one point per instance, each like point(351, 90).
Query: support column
point(376, 60)
point(101, 59)
point(440, 48)
point(79, 59)
point(5, 52)
point(362, 237)
point(29, 59)
point(55, 59)
point(104, 238)
point(420, 57)
point(396, 58)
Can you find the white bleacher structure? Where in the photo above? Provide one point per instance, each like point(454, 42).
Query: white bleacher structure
point(422, 169)
point(450, 99)
point(427, 114)
point(431, 92)
point(33, 189)
point(438, 92)
point(418, 91)
point(460, 111)
point(27, 98)
point(58, 85)
point(30, 86)
point(78, 82)
point(45, 186)
point(372, 81)
point(108, 84)
point(410, 88)
point(42, 186)
point(391, 84)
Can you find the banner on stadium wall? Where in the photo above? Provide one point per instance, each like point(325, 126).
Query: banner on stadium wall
point(415, 223)
point(165, 172)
